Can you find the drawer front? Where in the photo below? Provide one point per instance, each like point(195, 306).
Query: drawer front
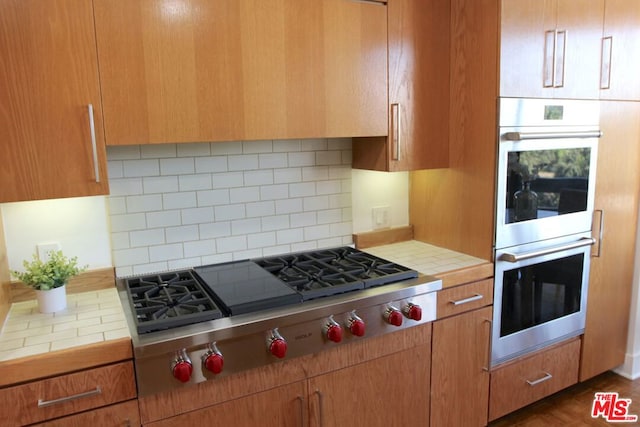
point(120, 415)
point(456, 300)
point(67, 394)
point(530, 379)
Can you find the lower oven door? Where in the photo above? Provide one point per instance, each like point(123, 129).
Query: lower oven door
point(540, 295)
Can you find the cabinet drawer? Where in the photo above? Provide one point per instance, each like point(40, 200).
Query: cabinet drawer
point(532, 378)
point(67, 394)
point(120, 414)
point(463, 298)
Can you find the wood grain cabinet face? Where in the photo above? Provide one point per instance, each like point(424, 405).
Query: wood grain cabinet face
point(221, 70)
point(418, 43)
point(551, 48)
point(119, 415)
point(48, 79)
point(621, 51)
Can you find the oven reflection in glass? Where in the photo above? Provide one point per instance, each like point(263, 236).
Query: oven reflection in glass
point(541, 292)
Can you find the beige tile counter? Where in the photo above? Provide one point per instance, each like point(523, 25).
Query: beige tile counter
point(90, 317)
point(452, 267)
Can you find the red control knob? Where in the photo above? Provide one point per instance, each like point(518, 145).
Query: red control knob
point(334, 333)
point(413, 312)
point(393, 316)
point(182, 371)
point(357, 327)
point(278, 348)
point(214, 363)
point(276, 344)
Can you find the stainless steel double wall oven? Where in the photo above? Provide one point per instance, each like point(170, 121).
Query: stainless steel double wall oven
point(547, 153)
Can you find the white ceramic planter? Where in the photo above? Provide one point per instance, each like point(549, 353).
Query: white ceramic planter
point(52, 300)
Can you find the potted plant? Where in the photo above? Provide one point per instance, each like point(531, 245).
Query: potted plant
point(48, 278)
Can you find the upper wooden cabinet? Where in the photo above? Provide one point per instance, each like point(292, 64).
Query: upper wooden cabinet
point(418, 43)
point(551, 48)
point(202, 70)
point(48, 81)
point(621, 51)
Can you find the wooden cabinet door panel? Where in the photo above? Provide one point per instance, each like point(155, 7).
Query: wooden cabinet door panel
point(391, 390)
point(460, 369)
point(611, 273)
point(119, 415)
point(283, 406)
point(620, 70)
point(48, 78)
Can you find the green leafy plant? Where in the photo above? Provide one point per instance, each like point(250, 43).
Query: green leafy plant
point(50, 274)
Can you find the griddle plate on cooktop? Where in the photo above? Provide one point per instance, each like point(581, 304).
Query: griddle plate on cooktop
point(169, 300)
point(332, 271)
point(244, 287)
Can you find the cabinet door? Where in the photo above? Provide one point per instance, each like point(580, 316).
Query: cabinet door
point(48, 79)
point(391, 390)
point(551, 48)
point(621, 51)
point(202, 70)
point(611, 274)
point(283, 406)
point(460, 366)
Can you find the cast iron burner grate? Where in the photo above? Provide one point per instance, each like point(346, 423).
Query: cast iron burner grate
point(332, 271)
point(169, 300)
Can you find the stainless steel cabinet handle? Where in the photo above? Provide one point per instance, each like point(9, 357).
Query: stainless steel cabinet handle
point(522, 136)
point(488, 367)
point(513, 257)
point(549, 65)
point(605, 63)
point(301, 402)
point(94, 147)
point(44, 403)
point(560, 58)
point(547, 377)
point(395, 130)
point(476, 297)
point(600, 233)
point(321, 409)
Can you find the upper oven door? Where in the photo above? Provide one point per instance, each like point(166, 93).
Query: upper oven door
point(546, 169)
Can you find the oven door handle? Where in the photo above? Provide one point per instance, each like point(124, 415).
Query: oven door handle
point(515, 257)
point(522, 136)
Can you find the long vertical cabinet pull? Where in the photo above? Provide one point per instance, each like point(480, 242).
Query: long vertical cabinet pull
point(94, 147)
point(490, 323)
point(605, 63)
point(560, 59)
point(395, 131)
point(600, 233)
point(321, 409)
point(549, 67)
point(301, 404)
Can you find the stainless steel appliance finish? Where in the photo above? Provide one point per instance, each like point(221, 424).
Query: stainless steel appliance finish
point(181, 356)
point(541, 295)
point(550, 147)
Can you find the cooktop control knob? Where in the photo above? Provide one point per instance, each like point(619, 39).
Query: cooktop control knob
point(276, 344)
point(413, 312)
point(181, 367)
point(356, 325)
point(213, 360)
point(332, 330)
point(393, 316)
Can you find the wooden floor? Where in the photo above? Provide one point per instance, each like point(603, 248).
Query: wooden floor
point(572, 407)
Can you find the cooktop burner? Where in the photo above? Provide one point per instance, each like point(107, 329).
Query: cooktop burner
point(169, 300)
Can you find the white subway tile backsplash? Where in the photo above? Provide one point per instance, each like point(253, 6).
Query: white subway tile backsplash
point(139, 168)
point(179, 166)
point(181, 205)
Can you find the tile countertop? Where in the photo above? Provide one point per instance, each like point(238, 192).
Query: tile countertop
point(90, 317)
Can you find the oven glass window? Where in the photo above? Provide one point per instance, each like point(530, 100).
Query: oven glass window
point(540, 293)
point(543, 183)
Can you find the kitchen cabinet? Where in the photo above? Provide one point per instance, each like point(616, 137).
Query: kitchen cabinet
point(120, 414)
point(530, 378)
point(202, 70)
point(621, 51)
point(551, 49)
point(43, 400)
point(51, 121)
point(418, 43)
point(616, 211)
point(461, 355)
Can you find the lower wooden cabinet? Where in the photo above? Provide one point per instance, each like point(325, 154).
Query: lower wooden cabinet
point(124, 414)
point(530, 378)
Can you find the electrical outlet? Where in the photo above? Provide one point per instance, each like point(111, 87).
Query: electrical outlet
point(381, 217)
point(44, 250)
